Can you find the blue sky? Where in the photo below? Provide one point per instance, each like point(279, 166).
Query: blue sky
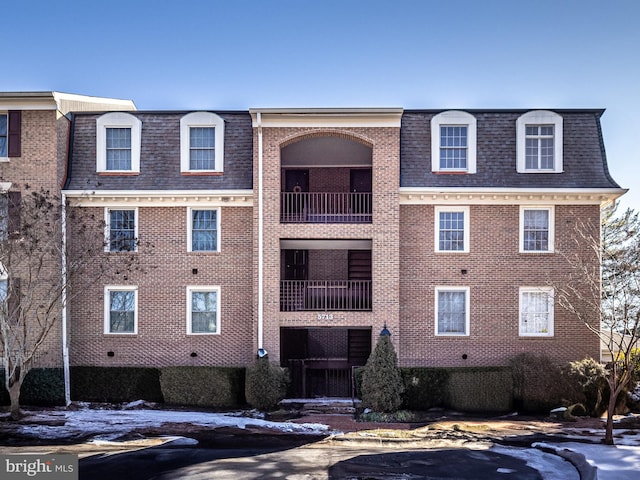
point(238, 54)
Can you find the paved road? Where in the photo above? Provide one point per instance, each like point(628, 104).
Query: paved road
point(317, 461)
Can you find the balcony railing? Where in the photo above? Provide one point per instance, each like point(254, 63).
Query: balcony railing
point(311, 207)
point(322, 295)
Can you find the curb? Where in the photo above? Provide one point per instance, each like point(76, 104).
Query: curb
point(584, 468)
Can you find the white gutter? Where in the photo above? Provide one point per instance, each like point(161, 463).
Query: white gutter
point(63, 299)
point(260, 238)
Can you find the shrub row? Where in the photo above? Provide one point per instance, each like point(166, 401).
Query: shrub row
point(41, 386)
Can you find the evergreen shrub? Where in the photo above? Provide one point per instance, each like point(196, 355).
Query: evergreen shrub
point(115, 384)
point(41, 386)
point(266, 384)
point(219, 387)
point(425, 388)
point(480, 389)
point(382, 384)
point(538, 384)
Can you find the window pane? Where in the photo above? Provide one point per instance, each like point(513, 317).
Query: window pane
point(118, 149)
point(452, 312)
point(534, 312)
point(453, 147)
point(122, 311)
point(204, 307)
point(3, 135)
point(122, 230)
point(204, 230)
point(539, 147)
point(202, 148)
point(536, 230)
point(451, 231)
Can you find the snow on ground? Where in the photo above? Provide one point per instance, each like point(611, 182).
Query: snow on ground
point(109, 424)
point(549, 466)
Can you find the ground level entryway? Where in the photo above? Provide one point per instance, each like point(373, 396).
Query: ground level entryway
point(321, 360)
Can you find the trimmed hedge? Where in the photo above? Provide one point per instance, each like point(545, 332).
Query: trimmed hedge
point(221, 387)
point(115, 384)
point(480, 389)
point(42, 386)
point(425, 388)
point(538, 383)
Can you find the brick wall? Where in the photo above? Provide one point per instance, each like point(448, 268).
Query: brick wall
point(494, 272)
point(162, 302)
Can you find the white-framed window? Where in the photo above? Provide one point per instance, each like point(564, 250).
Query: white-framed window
point(536, 312)
point(4, 136)
point(453, 142)
point(201, 143)
point(203, 229)
point(452, 311)
point(118, 139)
point(203, 310)
point(121, 227)
point(537, 231)
point(539, 142)
point(121, 309)
point(4, 288)
point(451, 229)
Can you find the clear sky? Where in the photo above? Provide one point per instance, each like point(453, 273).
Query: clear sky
point(240, 54)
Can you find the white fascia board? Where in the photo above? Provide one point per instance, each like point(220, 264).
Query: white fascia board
point(160, 198)
point(327, 117)
point(508, 196)
point(27, 101)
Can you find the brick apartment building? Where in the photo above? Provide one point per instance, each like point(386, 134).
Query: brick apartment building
point(303, 232)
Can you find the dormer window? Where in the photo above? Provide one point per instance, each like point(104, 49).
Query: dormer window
point(201, 143)
point(453, 142)
point(118, 143)
point(539, 142)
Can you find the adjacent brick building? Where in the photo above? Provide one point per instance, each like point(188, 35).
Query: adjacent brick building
point(303, 232)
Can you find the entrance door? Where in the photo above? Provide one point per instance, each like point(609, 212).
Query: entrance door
point(361, 185)
point(296, 185)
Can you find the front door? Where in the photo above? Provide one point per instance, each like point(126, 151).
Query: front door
point(360, 185)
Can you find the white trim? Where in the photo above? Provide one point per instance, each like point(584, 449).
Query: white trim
point(550, 305)
point(160, 198)
point(118, 120)
point(203, 288)
point(467, 301)
point(539, 117)
point(218, 211)
point(454, 118)
point(508, 196)
point(548, 208)
point(201, 119)
point(326, 117)
point(107, 226)
point(451, 208)
point(107, 307)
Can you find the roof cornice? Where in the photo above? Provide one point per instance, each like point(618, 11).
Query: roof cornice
point(326, 117)
point(160, 198)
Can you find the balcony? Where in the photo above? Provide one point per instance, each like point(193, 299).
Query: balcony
point(311, 207)
point(323, 295)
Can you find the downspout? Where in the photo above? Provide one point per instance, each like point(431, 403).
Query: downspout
point(63, 299)
point(260, 241)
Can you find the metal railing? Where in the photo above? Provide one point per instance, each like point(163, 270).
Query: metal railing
point(312, 207)
point(323, 295)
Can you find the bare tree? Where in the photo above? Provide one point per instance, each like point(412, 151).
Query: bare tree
point(608, 290)
point(33, 289)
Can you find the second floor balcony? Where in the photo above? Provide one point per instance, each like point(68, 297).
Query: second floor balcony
point(335, 207)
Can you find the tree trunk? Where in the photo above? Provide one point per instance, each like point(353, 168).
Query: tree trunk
point(608, 435)
point(14, 396)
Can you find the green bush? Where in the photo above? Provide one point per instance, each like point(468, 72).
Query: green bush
point(115, 384)
point(382, 385)
point(480, 389)
point(590, 388)
point(219, 387)
point(42, 386)
point(539, 384)
point(425, 388)
point(266, 384)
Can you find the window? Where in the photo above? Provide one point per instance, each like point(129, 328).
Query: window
point(539, 142)
point(201, 143)
point(4, 287)
point(122, 232)
point(536, 229)
point(118, 139)
point(121, 310)
point(203, 312)
point(536, 311)
point(453, 142)
point(452, 311)
point(4, 137)
point(204, 231)
point(452, 229)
